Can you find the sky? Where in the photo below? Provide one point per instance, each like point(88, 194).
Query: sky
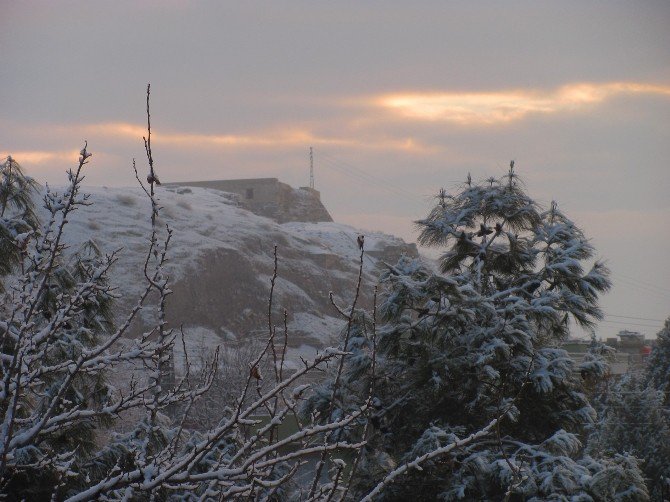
point(397, 99)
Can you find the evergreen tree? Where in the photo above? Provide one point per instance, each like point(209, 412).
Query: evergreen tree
point(658, 364)
point(74, 331)
point(17, 214)
point(635, 422)
point(477, 342)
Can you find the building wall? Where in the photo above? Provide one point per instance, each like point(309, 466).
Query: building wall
point(631, 351)
point(271, 198)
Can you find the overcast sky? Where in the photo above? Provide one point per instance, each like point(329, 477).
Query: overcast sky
point(398, 99)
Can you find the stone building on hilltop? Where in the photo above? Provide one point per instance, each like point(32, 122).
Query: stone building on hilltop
point(271, 198)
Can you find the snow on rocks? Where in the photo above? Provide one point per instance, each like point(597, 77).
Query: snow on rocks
point(221, 260)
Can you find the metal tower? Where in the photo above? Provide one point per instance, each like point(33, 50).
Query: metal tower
point(311, 168)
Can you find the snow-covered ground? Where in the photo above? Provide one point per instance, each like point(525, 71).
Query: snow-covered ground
point(221, 261)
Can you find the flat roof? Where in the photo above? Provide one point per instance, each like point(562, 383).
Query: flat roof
point(222, 181)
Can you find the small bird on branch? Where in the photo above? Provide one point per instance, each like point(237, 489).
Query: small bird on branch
point(255, 373)
point(361, 241)
point(152, 178)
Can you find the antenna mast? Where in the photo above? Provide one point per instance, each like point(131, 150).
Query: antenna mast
point(311, 168)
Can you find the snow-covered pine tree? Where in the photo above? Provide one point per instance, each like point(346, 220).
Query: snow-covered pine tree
point(86, 325)
point(658, 364)
point(17, 214)
point(474, 352)
point(48, 321)
point(633, 421)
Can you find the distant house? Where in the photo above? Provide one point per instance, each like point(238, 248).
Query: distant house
point(631, 351)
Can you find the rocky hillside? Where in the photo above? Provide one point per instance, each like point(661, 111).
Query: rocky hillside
point(221, 262)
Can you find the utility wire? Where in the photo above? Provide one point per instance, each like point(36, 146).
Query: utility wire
point(646, 289)
point(362, 172)
point(420, 202)
point(637, 325)
point(337, 165)
point(368, 182)
point(643, 283)
point(361, 176)
point(637, 318)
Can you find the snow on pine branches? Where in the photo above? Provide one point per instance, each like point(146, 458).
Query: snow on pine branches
point(474, 398)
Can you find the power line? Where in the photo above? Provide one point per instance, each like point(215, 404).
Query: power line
point(361, 171)
point(637, 325)
point(644, 283)
point(632, 323)
point(331, 165)
point(370, 180)
point(637, 318)
point(657, 294)
point(352, 169)
point(641, 287)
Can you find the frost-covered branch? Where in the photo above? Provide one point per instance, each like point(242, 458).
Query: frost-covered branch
point(416, 463)
point(59, 348)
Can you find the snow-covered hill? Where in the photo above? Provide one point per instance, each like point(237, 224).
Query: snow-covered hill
point(221, 262)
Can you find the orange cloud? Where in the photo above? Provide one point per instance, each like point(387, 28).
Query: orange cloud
point(42, 157)
point(282, 138)
point(272, 139)
point(485, 108)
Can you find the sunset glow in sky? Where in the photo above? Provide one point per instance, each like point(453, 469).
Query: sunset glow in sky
point(398, 99)
point(484, 108)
